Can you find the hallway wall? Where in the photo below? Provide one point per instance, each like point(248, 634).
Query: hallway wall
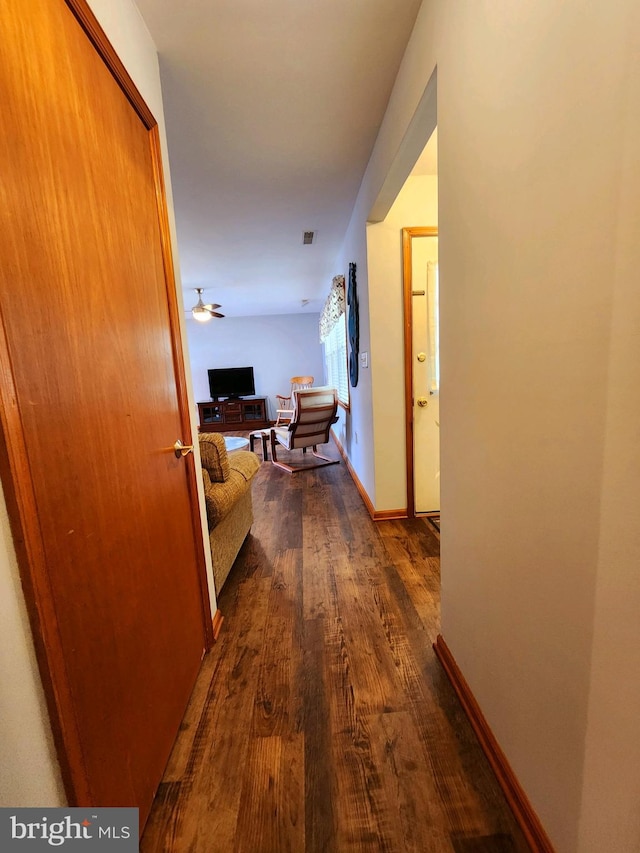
point(539, 202)
point(416, 205)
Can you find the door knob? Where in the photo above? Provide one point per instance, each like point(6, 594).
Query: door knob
point(181, 449)
point(422, 402)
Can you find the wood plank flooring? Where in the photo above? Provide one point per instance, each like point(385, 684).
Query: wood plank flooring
point(322, 721)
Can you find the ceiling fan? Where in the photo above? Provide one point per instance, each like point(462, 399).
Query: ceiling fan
point(203, 313)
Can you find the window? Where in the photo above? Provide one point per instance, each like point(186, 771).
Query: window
point(336, 361)
point(333, 334)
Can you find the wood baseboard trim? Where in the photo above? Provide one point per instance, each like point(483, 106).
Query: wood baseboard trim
point(376, 515)
point(389, 514)
point(218, 619)
point(517, 800)
point(361, 490)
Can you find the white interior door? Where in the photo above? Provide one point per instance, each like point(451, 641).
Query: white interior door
point(426, 403)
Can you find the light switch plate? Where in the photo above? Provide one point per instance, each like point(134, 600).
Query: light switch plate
point(364, 359)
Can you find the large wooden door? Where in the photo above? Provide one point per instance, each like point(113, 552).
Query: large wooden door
point(92, 402)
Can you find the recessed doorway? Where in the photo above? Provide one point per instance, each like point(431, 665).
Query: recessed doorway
point(422, 368)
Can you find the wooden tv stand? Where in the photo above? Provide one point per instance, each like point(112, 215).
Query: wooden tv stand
point(233, 413)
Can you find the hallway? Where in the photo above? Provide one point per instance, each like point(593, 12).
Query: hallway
point(321, 720)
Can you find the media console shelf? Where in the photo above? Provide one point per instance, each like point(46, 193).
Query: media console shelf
point(245, 413)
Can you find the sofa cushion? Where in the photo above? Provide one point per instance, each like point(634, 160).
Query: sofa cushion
point(244, 462)
point(214, 456)
point(222, 497)
point(206, 479)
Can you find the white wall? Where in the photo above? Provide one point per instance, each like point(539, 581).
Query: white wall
point(539, 208)
point(355, 430)
point(610, 818)
point(29, 772)
point(277, 346)
point(415, 205)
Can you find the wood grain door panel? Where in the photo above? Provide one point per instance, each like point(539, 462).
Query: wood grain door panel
point(90, 353)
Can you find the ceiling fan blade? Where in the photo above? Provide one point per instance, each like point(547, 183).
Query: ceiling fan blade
point(211, 306)
point(215, 314)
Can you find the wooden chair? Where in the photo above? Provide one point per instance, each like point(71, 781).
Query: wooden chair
point(284, 411)
point(314, 410)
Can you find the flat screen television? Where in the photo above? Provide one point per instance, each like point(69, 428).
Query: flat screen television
point(231, 382)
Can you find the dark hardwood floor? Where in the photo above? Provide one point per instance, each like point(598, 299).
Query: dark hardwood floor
point(322, 721)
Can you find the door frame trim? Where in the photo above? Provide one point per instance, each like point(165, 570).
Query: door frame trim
point(17, 479)
point(407, 287)
point(98, 38)
point(181, 383)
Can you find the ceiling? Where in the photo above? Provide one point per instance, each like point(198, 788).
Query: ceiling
point(272, 109)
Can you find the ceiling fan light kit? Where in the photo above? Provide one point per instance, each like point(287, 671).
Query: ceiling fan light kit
point(203, 313)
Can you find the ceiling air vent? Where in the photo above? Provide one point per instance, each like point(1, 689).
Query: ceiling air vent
point(307, 237)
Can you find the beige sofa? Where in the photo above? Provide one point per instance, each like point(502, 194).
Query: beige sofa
point(227, 489)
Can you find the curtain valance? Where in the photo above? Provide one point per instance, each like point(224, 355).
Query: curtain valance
point(333, 308)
